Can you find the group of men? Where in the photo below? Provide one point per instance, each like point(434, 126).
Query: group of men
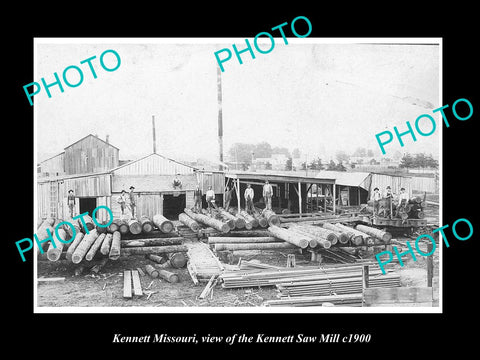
point(389, 198)
point(248, 195)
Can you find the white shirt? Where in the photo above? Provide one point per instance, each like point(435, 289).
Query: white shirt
point(403, 196)
point(267, 189)
point(210, 193)
point(249, 192)
point(376, 196)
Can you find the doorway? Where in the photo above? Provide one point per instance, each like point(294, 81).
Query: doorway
point(87, 205)
point(173, 205)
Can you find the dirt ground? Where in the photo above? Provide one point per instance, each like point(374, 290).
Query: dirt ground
point(105, 289)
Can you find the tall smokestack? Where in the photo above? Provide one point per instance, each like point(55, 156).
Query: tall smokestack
point(107, 139)
point(220, 120)
point(153, 133)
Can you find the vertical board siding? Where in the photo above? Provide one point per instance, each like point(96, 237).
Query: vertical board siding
point(154, 164)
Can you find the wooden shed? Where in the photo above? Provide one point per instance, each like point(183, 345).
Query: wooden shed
point(90, 154)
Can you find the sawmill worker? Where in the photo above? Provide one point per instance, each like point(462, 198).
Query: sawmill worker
point(376, 196)
point(228, 197)
point(122, 200)
point(402, 200)
point(389, 196)
point(210, 197)
point(197, 194)
point(71, 202)
point(177, 182)
point(267, 195)
point(133, 203)
point(249, 199)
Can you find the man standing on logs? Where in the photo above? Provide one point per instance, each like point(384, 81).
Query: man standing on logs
point(402, 201)
point(249, 199)
point(122, 200)
point(267, 195)
point(376, 196)
point(133, 203)
point(228, 197)
point(71, 202)
point(389, 196)
point(197, 194)
point(210, 197)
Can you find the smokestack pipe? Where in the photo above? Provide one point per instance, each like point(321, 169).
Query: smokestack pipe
point(220, 120)
point(153, 133)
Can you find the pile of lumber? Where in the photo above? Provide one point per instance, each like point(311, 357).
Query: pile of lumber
point(304, 301)
point(202, 263)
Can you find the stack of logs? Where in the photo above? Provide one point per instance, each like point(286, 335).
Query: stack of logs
point(90, 241)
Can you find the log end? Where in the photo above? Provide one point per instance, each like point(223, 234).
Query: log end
point(312, 243)
point(167, 227)
point(225, 228)
point(147, 227)
point(54, 254)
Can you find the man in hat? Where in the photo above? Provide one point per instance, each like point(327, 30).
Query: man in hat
point(197, 194)
point(122, 200)
point(133, 203)
point(228, 197)
point(210, 197)
point(376, 196)
point(71, 202)
point(402, 200)
point(267, 195)
point(249, 199)
point(389, 196)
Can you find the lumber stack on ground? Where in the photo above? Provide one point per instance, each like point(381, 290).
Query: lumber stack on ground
point(238, 240)
point(142, 250)
point(208, 221)
point(254, 246)
point(202, 263)
point(151, 242)
point(162, 223)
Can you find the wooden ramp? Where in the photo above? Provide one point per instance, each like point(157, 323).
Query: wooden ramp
point(202, 263)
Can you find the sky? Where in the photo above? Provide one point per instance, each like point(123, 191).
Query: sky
point(320, 95)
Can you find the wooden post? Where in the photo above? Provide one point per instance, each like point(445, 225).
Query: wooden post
point(365, 276)
point(299, 197)
point(238, 195)
point(429, 265)
point(334, 199)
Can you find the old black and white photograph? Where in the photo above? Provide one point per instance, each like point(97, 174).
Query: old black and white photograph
point(255, 175)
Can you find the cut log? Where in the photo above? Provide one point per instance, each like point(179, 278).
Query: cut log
point(74, 244)
point(68, 229)
point(376, 233)
point(147, 224)
point(168, 276)
point(315, 238)
point(248, 225)
point(86, 223)
point(249, 218)
point(114, 253)
point(244, 233)
point(134, 226)
point(188, 221)
point(123, 226)
point(106, 244)
point(271, 217)
point(288, 236)
point(317, 231)
point(237, 240)
point(152, 242)
point(162, 223)
point(84, 246)
point(43, 232)
point(101, 229)
point(262, 222)
point(53, 253)
point(114, 226)
point(150, 270)
point(239, 222)
point(254, 246)
point(356, 237)
point(158, 259)
point(214, 223)
point(178, 260)
point(153, 250)
point(95, 246)
point(356, 240)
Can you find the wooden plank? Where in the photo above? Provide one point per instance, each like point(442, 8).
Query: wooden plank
point(52, 279)
point(137, 286)
point(397, 295)
point(127, 284)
